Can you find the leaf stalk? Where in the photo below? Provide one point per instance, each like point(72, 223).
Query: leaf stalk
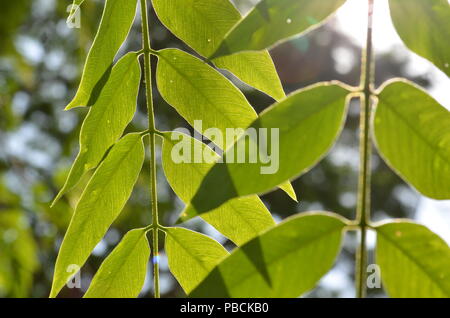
point(364, 184)
point(152, 133)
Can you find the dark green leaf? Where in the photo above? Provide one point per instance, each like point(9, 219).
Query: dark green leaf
point(256, 69)
point(413, 136)
point(414, 262)
point(122, 274)
point(286, 261)
point(99, 205)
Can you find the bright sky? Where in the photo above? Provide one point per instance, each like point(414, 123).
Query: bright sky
point(352, 19)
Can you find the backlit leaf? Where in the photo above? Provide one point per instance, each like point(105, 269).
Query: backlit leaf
point(256, 69)
point(122, 274)
point(414, 262)
point(240, 219)
point(202, 24)
point(107, 118)
point(286, 261)
point(424, 26)
point(99, 205)
point(272, 21)
point(191, 256)
point(300, 130)
point(117, 19)
point(199, 92)
point(412, 132)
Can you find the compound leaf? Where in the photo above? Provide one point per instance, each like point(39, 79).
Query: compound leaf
point(299, 131)
point(122, 274)
point(413, 136)
point(414, 262)
point(429, 38)
point(240, 219)
point(285, 261)
point(272, 21)
point(256, 69)
point(191, 256)
point(99, 205)
point(107, 118)
point(117, 19)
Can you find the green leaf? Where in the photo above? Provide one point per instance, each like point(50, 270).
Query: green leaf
point(199, 92)
point(239, 220)
point(413, 136)
point(202, 24)
point(307, 123)
point(414, 262)
point(191, 256)
point(99, 205)
point(123, 272)
point(289, 190)
point(107, 118)
point(430, 37)
point(286, 261)
point(117, 19)
point(256, 69)
point(272, 21)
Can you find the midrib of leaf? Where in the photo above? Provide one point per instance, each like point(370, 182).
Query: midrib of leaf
point(414, 261)
point(289, 253)
point(206, 98)
point(430, 145)
point(188, 252)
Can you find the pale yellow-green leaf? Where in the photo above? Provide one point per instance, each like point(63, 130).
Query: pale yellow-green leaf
point(239, 220)
point(191, 256)
point(107, 118)
point(117, 19)
point(414, 262)
point(99, 205)
point(412, 133)
point(122, 273)
point(202, 24)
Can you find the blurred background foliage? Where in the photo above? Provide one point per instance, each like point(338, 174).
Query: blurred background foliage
point(40, 64)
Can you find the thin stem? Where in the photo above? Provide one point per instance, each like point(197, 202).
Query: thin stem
point(152, 133)
point(363, 208)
